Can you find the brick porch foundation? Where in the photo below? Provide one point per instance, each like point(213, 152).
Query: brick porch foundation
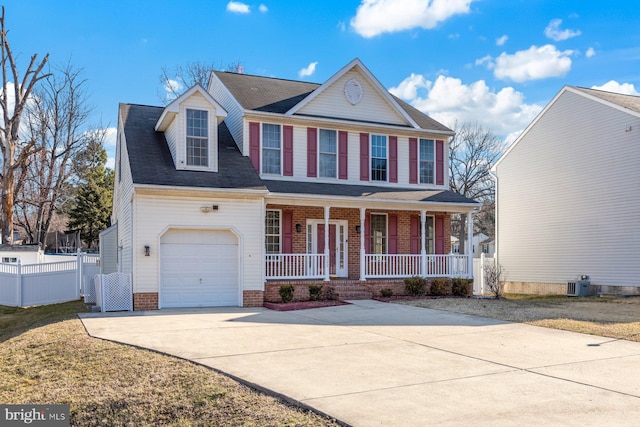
point(301, 287)
point(252, 298)
point(145, 301)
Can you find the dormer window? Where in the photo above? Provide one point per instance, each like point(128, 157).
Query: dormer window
point(197, 138)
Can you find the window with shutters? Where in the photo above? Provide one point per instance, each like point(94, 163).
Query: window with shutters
point(327, 153)
point(271, 149)
point(379, 160)
point(426, 166)
point(272, 232)
point(378, 234)
point(429, 235)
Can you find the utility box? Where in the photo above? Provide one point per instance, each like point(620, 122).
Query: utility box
point(578, 288)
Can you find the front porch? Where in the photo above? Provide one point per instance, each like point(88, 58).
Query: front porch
point(326, 243)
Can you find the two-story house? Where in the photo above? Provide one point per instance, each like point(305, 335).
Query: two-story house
point(230, 191)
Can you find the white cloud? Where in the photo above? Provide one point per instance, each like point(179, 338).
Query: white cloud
point(531, 64)
point(375, 17)
point(449, 100)
point(309, 70)
point(172, 86)
point(238, 7)
point(111, 163)
point(590, 52)
point(554, 32)
point(500, 41)
point(263, 8)
point(614, 86)
point(110, 136)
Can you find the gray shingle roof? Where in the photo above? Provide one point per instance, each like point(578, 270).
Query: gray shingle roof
point(366, 192)
point(629, 102)
point(151, 161)
point(273, 95)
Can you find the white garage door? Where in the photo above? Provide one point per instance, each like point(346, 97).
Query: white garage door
point(199, 268)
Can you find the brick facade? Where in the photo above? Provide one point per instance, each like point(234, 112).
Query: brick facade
point(252, 298)
point(145, 301)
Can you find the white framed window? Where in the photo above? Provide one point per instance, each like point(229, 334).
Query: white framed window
point(271, 149)
point(328, 153)
point(379, 161)
point(273, 231)
point(426, 162)
point(197, 137)
point(378, 224)
point(429, 234)
point(9, 260)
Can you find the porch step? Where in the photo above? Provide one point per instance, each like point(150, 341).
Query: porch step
point(349, 292)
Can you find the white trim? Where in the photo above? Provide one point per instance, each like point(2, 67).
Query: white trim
point(344, 240)
point(281, 149)
point(264, 231)
point(386, 149)
point(372, 79)
point(386, 233)
point(173, 108)
point(434, 162)
point(334, 178)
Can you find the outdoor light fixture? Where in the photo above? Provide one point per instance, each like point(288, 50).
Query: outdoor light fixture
point(358, 229)
point(298, 228)
point(147, 250)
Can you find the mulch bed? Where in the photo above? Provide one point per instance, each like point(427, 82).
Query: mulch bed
point(414, 298)
point(301, 305)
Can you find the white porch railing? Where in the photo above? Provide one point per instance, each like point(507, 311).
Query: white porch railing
point(401, 265)
point(294, 266)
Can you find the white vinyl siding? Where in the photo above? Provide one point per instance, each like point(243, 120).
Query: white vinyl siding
point(154, 214)
point(235, 113)
point(372, 107)
point(566, 202)
point(123, 208)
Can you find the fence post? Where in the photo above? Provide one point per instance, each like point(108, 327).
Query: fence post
point(19, 284)
point(79, 272)
point(482, 261)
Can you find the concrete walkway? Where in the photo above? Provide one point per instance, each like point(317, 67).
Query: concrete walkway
point(377, 364)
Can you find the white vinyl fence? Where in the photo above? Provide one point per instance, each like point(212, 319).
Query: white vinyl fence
point(46, 283)
point(479, 266)
point(114, 292)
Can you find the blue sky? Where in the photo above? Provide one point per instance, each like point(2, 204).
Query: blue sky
point(498, 62)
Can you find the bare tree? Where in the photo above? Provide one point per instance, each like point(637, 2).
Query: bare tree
point(494, 278)
point(15, 152)
point(175, 81)
point(472, 153)
point(55, 119)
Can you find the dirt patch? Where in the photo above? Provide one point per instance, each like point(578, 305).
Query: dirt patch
point(301, 305)
point(609, 317)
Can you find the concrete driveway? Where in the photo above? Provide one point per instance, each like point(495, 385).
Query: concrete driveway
point(377, 364)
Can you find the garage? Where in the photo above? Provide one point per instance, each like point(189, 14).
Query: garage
point(199, 268)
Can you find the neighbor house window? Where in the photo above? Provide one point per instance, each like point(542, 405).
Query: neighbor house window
point(427, 161)
point(197, 138)
point(271, 148)
point(9, 260)
point(327, 153)
point(378, 233)
point(429, 238)
point(272, 232)
point(378, 158)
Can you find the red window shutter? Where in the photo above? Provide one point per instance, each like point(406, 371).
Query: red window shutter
point(413, 160)
point(287, 232)
point(392, 227)
point(439, 162)
point(367, 234)
point(393, 159)
point(343, 155)
point(364, 157)
point(254, 145)
point(439, 235)
point(312, 152)
point(415, 235)
point(287, 151)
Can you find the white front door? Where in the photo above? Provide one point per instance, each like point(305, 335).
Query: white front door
point(338, 256)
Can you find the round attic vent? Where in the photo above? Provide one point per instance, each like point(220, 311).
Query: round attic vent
point(353, 91)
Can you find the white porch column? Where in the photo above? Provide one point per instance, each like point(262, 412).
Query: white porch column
point(423, 243)
point(470, 244)
point(362, 246)
point(326, 244)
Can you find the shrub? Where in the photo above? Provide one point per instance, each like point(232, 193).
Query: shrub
point(415, 285)
point(386, 293)
point(286, 293)
point(440, 286)
point(461, 286)
point(315, 291)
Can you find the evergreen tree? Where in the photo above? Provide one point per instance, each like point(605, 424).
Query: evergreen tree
point(91, 209)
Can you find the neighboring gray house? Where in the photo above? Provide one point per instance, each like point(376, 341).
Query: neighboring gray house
point(568, 196)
